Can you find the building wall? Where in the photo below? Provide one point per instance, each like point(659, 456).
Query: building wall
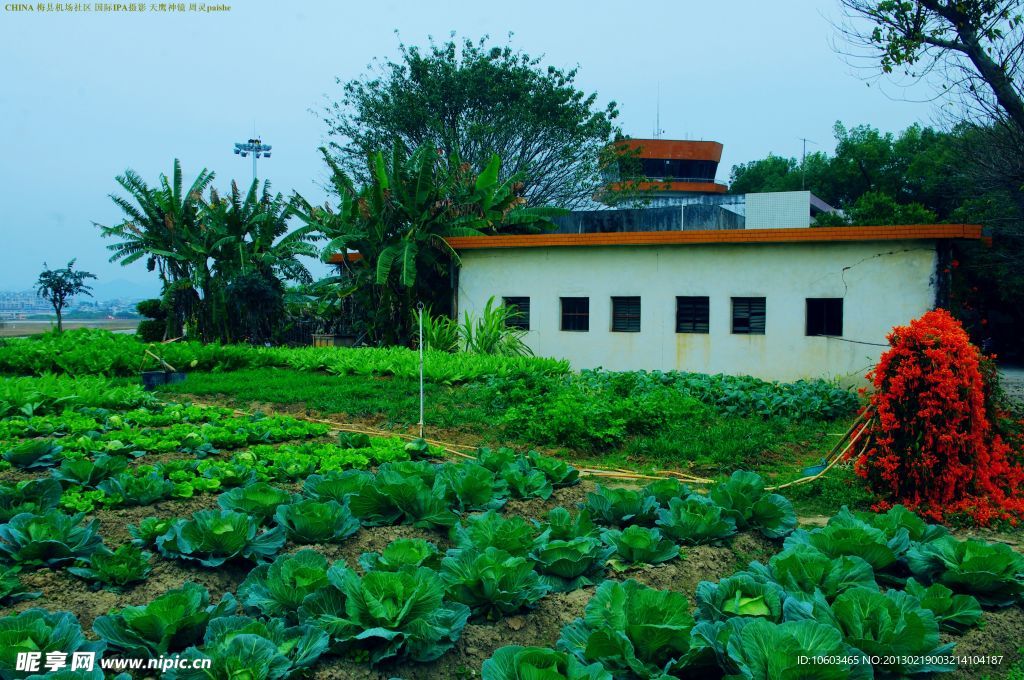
point(883, 284)
point(779, 210)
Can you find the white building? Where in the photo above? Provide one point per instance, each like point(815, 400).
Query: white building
point(778, 304)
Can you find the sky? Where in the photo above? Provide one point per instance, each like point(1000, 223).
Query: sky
point(85, 95)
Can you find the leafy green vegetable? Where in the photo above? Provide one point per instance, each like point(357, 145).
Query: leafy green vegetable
point(801, 570)
point(759, 648)
point(34, 496)
point(992, 572)
point(632, 630)
point(561, 525)
point(170, 623)
point(898, 517)
point(277, 589)
point(35, 453)
point(535, 663)
point(353, 440)
point(468, 487)
point(246, 648)
point(260, 500)
point(50, 539)
point(524, 481)
point(892, 626)
point(639, 545)
point(394, 496)
point(512, 534)
point(743, 498)
point(694, 520)
point(311, 521)
point(664, 490)
point(496, 460)
point(491, 582)
point(557, 471)
point(40, 631)
point(132, 489)
point(846, 535)
point(387, 615)
point(739, 595)
point(122, 567)
point(572, 564)
point(621, 507)
point(336, 485)
point(213, 537)
point(402, 553)
point(148, 530)
point(955, 613)
point(11, 588)
point(88, 473)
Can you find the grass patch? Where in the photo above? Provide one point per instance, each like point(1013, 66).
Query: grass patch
point(655, 427)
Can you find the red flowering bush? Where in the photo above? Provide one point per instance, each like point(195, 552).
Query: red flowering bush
point(931, 443)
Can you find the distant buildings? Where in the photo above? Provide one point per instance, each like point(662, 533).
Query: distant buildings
point(25, 303)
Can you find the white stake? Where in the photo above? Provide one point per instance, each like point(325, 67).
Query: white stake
point(419, 306)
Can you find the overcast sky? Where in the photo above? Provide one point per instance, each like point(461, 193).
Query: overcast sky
point(86, 95)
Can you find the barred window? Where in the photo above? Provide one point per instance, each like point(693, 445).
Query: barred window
point(575, 314)
point(825, 316)
point(692, 314)
point(626, 314)
point(521, 317)
point(748, 315)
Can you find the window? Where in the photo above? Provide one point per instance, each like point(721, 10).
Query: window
point(626, 314)
point(692, 314)
point(521, 318)
point(825, 316)
point(575, 314)
point(748, 314)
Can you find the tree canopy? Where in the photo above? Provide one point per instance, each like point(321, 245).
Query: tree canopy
point(59, 286)
point(473, 100)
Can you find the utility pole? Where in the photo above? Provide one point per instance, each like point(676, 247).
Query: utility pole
point(803, 160)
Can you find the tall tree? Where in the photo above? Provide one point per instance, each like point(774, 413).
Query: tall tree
point(59, 286)
point(398, 222)
point(474, 100)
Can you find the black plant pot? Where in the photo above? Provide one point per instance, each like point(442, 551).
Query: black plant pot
point(153, 379)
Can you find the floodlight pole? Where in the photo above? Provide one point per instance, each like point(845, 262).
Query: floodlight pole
point(419, 307)
point(254, 146)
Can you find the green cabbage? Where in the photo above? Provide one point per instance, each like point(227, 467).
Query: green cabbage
point(802, 570)
point(744, 499)
point(538, 663)
point(468, 486)
point(132, 489)
point(401, 493)
point(37, 630)
point(34, 453)
point(260, 500)
point(512, 534)
point(992, 572)
point(278, 588)
point(336, 485)
point(311, 521)
point(558, 472)
point(622, 507)
point(740, 595)
point(50, 539)
point(632, 630)
point(572, 564)
point(402, 553)
point(115, 570)
point(639, 545)
point(561, 525)
point(695, 519)
point(212, 537)
point(492, 583)
point(34, 496)
point(847, 535)
point(955, 613)
point(170, 623)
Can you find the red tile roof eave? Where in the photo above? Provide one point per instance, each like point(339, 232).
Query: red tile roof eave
point(651, 238)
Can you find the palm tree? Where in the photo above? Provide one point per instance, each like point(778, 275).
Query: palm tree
point(399, 224)
point(159, 224)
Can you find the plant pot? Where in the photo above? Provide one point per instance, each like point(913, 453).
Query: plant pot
point(323, 340)
point(153, 379)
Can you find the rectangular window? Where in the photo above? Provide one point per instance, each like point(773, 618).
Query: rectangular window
point(825, 316)
point(692, 314)
point(626, 314)
point(521, 308)
point(748, 315)
point(575, 314)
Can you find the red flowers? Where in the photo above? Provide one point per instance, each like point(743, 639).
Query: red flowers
point(931, 444)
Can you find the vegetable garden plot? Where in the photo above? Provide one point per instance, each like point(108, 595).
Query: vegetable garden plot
point(284, 553)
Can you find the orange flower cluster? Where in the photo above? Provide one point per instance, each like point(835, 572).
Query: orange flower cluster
point(931, 444)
